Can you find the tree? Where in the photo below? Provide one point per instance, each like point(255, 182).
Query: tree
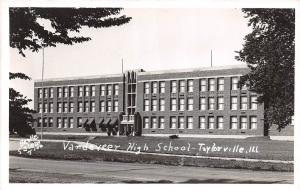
point(20, 116)
point(269, 51)
point(27, 32)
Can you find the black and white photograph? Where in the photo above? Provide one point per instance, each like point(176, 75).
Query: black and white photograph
point(148, 95)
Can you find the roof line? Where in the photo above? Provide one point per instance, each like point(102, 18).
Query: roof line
point(239, 66)
point(78, 78)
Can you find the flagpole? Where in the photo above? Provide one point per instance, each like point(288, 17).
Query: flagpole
point(42, 123)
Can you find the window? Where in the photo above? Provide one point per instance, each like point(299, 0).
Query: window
point(109, 90)
point(39, 108)
point(86, 106)
point(65, 104)
point(86, 90)
point(162, 87)
point(234, 83)
point(173, 104)
point(40, 93)
point(154, 87)
point(71, 122)
point(190, 122)
point(161, 105)
point(79, 122)
point(181, 122)
point(181, 104)
point(65, 92)
point(45, 93)
point(146, 105)
point(190, 87)
point(93, 90)
point(211, 84)
point(102, 106)
point(45, 107)
point(211, 122)
point(45, 122)
point(51, 93)
point(59, 107)
point(71, 107)
point(116, 89)
point(244, 87)
point(59, 92)
point(182, 86)
point(233, 122)
point(39, 123)
point(154, 105)
point(102, 90)
point(173, 122)
point(233, 103)
point(202, 122)
point(92, 106)
point(202, 85)
point(220, 122)
point(161, 123)
point(253, 102)
point(65, 122)
point(71, 89)
point(146, 88)
point(220, 84)
point(211, 103)
point(220, 103)
point(80, 107)
point(244, 103)
point(190, 104)
point(50, 122)
point(51, 107)
point(253, 122)
point(146, 122)
point(59, 123)
point(173, 86)
point(243, 122)
point(202, 104)
point(109, 106)
point(116, 106)
point(153, 122)
point(80, 91)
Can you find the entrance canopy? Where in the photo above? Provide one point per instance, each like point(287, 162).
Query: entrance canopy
point(106, 122)
point(114, 121)
point(84, 121)
point(100, 121)
point(91, 120)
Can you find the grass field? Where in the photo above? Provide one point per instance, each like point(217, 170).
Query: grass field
point(282, 151)
point(267, 149)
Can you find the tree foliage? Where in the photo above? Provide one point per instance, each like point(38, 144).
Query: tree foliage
point(20, 116)
point(19, 76)
point(269, 51)
point(26, 32)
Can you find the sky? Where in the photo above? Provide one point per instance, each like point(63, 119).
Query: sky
point(155, 39)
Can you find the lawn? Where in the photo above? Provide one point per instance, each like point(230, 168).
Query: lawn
point(266, 149)
point(261, 148)
point(59, 150)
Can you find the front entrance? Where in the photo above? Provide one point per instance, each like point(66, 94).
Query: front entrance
point(127, 129)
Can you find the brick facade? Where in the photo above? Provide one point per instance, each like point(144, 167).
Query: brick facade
point(135, 88)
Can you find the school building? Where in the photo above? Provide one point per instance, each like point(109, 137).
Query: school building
point(190, 102)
